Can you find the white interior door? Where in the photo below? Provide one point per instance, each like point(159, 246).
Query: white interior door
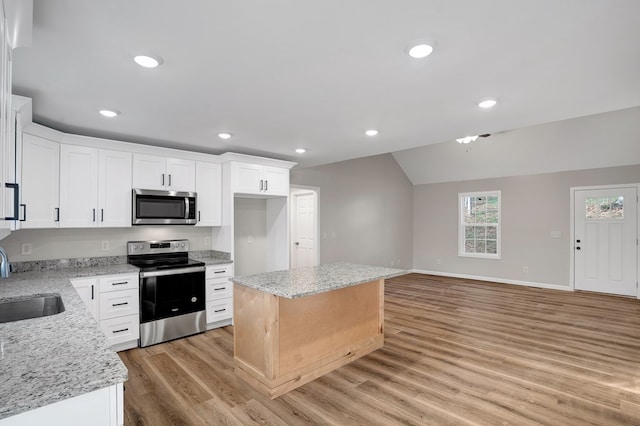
point(304, 227)
point(605, 240)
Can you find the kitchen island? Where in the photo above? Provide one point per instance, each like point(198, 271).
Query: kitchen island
point(293, 326)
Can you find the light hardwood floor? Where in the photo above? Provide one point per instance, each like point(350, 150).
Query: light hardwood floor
point(456, 352)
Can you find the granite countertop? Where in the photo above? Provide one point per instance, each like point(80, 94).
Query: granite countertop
point(45, 360)
point(301, 282)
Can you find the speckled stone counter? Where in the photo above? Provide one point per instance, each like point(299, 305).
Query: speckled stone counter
point(45, 360)
point(303, 282)
point(291, 327)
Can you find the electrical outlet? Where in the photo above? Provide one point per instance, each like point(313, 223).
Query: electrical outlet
point(525, 269)
point(105, 245)
point(250, 239)
point(25, 249)
point(556, 234)
point(207, 241)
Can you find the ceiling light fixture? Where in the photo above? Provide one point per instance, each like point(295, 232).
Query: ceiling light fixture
point(224, 135)
point(371, 132)
point(301, 150)
point(468, 139)
point(109, 113)
point(488, 103)
point(420, 51)
point(147, 61)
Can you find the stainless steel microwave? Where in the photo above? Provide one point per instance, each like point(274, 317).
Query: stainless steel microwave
point(151, 207)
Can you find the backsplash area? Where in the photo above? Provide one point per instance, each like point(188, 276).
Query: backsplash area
point(45, 244)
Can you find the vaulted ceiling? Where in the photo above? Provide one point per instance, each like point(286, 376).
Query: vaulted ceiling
point(285, 74)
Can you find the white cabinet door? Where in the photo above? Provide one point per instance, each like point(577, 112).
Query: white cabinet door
point(114, 188)
point(78, 186)
point(103, 407)
point(87, 288)
point(260, 180)
point(276, 180)
point(246, 178)
point(40, 182)
point(209, 189)
point(181, 175)
point(149, 171)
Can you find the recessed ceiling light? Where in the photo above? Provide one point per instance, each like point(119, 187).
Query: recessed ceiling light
point(468, 139)
point(224, 135)
point(488, 103)
point(147, 61)
point(420, 51)
point(371, 132)
point(109, 113)
point(301, 150)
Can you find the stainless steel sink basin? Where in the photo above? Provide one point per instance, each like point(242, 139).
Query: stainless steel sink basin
point(21, 308)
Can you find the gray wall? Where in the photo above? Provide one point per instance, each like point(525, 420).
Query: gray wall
point(73, 243)
point(367, 204)
point(532, 207)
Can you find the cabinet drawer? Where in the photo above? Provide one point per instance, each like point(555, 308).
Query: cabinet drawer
point(219, 310)
point(119, 303)
point(120, 330)
point(118, 282)
point(219, 289)
point(217, 271)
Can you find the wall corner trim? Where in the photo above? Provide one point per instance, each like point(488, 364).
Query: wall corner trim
point(495, 280)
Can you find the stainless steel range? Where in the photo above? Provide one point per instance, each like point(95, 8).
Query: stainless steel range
point(172, 290)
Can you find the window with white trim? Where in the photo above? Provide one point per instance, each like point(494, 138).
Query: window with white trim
point(479, 224)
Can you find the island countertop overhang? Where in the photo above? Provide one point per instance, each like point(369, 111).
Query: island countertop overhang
point(302, 282)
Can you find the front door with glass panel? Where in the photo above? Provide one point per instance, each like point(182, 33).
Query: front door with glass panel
point(605, 240)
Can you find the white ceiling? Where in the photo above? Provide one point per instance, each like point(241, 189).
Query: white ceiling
point(282, 74)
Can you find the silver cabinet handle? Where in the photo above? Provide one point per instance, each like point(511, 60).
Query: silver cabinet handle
point(94, 215)
point(219, 310)
point(261, 184)
point(120, 283)
point(92, 295)
point(163, 179)
point(266, 185)
point(119, 304)
point(169, 180)
point(120, 331)
point(220, 288)
point(24, 209)
point(101, 215)
point(198, 215)
point(57, 214)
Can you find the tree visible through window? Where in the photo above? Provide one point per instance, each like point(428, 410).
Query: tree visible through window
point(479, 229)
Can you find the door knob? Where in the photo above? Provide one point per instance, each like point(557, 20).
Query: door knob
point(297, 243)
point(577, 248)
point(578, 241)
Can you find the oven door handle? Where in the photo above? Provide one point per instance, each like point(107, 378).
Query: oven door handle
point(172, 272)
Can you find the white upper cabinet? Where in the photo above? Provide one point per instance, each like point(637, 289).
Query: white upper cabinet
point(95, 187)
point(40, 182)
point(260, 180)
point(78, 186)
point(162, 173)
point(114, 188)
point(209, 189)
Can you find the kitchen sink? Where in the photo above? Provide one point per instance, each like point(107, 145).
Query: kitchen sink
point(21, 308)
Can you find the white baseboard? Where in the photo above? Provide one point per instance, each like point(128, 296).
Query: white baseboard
point(495, 280)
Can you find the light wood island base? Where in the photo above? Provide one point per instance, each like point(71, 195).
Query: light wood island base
point(281, 344)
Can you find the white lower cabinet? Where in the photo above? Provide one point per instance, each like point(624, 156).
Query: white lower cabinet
point(103, 407)
point(219, 294)
point(114, 302)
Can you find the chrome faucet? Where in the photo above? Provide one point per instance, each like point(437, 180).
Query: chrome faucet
point(5, 267)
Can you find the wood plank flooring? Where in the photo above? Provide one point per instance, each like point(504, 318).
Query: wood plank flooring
point(457, 352)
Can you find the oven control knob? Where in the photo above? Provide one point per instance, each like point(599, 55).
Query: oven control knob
point(182, 245)
point(194, 299)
